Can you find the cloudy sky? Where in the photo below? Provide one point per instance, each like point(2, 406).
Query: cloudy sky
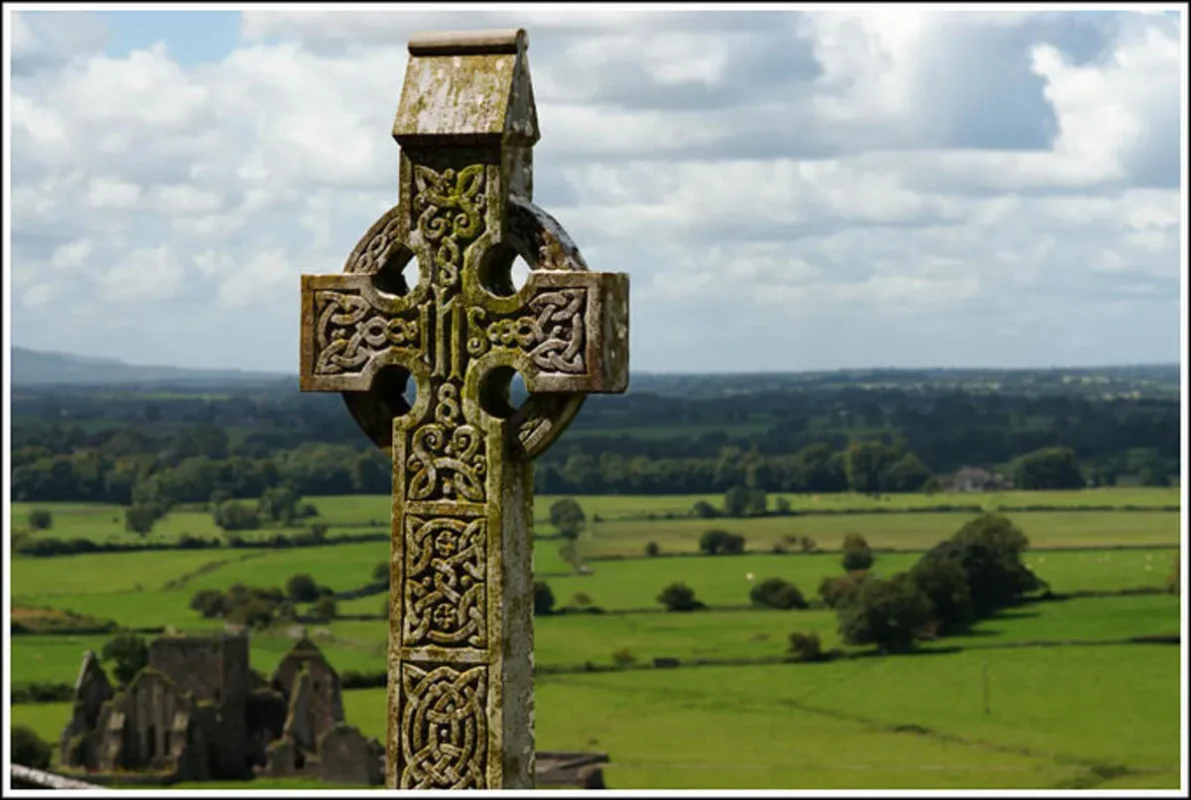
point(788, 190)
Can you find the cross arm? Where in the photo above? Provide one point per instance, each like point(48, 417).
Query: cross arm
point(564, 331)
point(350, 331)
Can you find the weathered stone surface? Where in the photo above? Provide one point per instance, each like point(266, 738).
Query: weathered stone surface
point(347, 756)
point(461, 625)
point(91, 690)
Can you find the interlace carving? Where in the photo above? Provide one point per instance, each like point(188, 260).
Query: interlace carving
point(445, 582)
point(448, 458)
point(370, 258)
point(443, 728)
point(553, 338)
point(450, 209)
point(350, 332)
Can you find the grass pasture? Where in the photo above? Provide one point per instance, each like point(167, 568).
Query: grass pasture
point(1077, 619)
point(865, 724)
point(148, 609)
point(375, 509)
point(908, 531)
point(341, 513)
point(100, 522)
point(1053, 703)
point(572, 640)
point(104, 585)
point(1104, 716)
point(103, 573)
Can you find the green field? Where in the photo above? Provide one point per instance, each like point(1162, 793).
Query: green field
point(341, 513)
point(852, 725)
point(104, 585)
point(572, 640)
point(1102, 715)
point(100, 522)
point(363, 509)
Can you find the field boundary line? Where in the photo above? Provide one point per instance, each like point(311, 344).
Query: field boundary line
point(570, 611)
point(1091, 548)
point(207, 568)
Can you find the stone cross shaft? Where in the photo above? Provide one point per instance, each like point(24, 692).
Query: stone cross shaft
point(460, 675)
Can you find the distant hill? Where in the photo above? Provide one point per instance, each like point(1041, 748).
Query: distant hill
point(31, 368)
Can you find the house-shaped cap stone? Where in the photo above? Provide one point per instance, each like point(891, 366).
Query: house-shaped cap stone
point(467, 88)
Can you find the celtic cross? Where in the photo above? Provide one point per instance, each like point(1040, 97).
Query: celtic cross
point(460, 675)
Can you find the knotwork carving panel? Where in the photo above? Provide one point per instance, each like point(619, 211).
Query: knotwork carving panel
point(552, 337)
point(350, 332)
point(444, 737)
point(444, 582)
point(449, 207)
point(448, 457)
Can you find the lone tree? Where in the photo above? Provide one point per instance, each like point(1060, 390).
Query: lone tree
point(543, 598)
point(278, 504)
point(806, 646)
point(40, 519)
point(302, 589)
point(141, 517)
point(128, 655)
point(679, 597)
point(777, 593)
point(857, 554)
point(567, 517)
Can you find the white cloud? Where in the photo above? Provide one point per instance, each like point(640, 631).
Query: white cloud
point(72, 256)
point(146, 274)
point(112, 193)
point(147, 88)
point(184, 199)
point(267, 274)
point(877, 183)
point(37, 295)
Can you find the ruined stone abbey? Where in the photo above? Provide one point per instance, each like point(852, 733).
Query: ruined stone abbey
point(198, 712)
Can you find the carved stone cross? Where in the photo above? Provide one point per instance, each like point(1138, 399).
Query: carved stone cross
point(460, 697)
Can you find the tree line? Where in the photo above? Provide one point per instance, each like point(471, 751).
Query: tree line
point(73, 446)
point(154, 482)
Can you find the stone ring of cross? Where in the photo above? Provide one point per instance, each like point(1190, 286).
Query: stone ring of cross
point(541, 242)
